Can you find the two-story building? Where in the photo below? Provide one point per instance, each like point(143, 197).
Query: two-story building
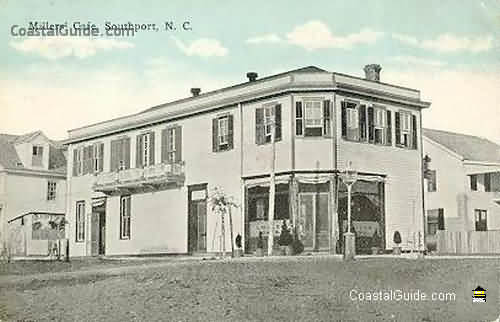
point(140, 184)
point(32, 192)
point(462, 184)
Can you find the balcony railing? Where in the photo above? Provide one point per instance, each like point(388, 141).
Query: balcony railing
point(155, 175)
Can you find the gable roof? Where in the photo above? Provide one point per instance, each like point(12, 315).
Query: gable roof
point(9, 158)
point(8, 153)
point(27, 137)
point(469, 147)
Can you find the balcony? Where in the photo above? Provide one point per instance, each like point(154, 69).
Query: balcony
point(155, 177)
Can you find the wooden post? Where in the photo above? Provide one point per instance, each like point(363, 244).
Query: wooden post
point(231, 231)
point(223, 236)
point(270, 239)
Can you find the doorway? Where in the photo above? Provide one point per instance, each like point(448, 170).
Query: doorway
point(367, 217)
point(313, 215)
point(98, 227)
point(197, 218)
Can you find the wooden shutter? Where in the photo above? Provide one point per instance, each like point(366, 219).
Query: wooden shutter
point(389, 128)
point(371, 125)
point(114, 163)
point(101, 156)
point(344, 119)
point(299, 118)
point(178, 144)
point(126, 152)
point(414, 141)
point(151, 148)
point(230, 131)
point(259, 126)
point(277, 120)
point(440, 219)
point(215, 135)
point(326, 117)
point(86, 159)
point(129, 214)
point(397, 119)
point(362, 122)
point(164, 145)
point(75, 162)
point(138, 151)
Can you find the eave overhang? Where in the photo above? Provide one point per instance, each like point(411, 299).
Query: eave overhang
point(249, 92)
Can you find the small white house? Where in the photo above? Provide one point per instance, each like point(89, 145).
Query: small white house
point(462, 183)
point(32, 187)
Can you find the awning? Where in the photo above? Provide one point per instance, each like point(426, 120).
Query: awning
point(98, 202)
point(314, 178)
point(264, 182)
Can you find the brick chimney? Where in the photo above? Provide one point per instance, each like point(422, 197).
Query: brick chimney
point(195, 91)
point(252, 76)
point(372, 72)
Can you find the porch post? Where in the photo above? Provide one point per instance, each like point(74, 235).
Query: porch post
point(272, 187)
point(293, 202)
point(332, 227)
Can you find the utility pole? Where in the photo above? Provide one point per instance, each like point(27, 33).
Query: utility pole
point(270, 240)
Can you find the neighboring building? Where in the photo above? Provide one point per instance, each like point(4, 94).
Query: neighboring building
point(462, 184)
point(32, 187)
point(139, 184)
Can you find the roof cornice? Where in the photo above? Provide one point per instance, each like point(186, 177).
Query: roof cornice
point(240, 94)
point(38, 173)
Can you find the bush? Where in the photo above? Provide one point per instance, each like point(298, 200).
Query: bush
point(297, 246)
point(260, 241)
point(286, 237)
point(238, 241)
point(397, 237)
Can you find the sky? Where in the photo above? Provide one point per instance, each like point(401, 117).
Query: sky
point(449, 50)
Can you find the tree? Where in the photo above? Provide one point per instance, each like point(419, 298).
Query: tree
point(221, 205)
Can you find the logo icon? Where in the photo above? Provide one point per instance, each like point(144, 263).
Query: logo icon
point(479, 295)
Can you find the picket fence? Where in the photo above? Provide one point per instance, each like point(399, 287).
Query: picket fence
point(468, 242)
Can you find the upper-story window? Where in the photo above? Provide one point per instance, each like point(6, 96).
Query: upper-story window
point(267, 118)
point(37, 155)
point(171, 145)
point(97, 158)
point(88, 159)
point(371, 124)
point(312, 117)
point(145, 150)
point(380, 133)
point(120, 154)
point(406, 130)
point(222, 133)
point(487, 182)
point(473, 182)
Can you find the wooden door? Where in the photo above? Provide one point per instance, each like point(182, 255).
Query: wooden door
point(306, 219)
point(197, 238)
point(102, 233)
point(94, 234)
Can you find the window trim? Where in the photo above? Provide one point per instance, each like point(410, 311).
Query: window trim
point(145, 148)
point(407, 132)
point(383, 128)
point(80, 221)
point(125, 215)
point(223, 139)
point(172, 149)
